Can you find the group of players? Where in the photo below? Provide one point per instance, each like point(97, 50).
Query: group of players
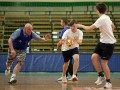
point(19, 40)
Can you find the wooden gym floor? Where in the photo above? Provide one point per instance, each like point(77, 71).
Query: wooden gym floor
point(48, 81)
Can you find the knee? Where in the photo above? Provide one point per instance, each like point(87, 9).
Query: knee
point(104, 63)
point(94, 57)
point(76, 60)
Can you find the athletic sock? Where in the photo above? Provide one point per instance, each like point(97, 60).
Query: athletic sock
point(108, 80)
point(101, 74)
point(13, 76)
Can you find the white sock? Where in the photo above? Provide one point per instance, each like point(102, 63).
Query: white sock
point(63, 75)
point(74, 75)
point(8, 67)
point(13, 76)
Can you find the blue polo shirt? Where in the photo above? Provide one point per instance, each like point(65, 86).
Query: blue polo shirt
point(21, 40)
point(63, 30)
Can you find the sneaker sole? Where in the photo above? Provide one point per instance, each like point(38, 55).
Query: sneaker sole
point(69, 79)
point(64, 82)
point(107, 88)
point(74, 79)
point(98, 84)
point(59, 79)
point(14, 81)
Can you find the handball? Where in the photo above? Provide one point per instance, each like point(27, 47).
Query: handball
point(69, 42)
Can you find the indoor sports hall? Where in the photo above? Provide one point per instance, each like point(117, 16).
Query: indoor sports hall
point(44, 61)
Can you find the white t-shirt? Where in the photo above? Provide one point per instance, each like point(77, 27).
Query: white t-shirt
point(68, 34)
point(105, 25)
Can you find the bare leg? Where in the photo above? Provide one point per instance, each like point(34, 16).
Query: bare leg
point(106, 68)
point(96, 63)
point(76, 63)
point(8, 66)
point(9, 63)
point(17, 68)
point(65, 67)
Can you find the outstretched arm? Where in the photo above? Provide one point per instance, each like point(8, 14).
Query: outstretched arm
point(46, 37)
point(87, 28)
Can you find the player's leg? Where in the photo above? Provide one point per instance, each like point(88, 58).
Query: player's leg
point(20, 58)
point(9, 63)
point(66, 56)
point(70, 67)
point(107, 53)
point(67, 70)
point(75, 67)
point(75, 55)
point(107, 73)
point(65, 67)
point(95, 60)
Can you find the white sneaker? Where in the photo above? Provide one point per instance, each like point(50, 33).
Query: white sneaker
point(108, 85)
point(60, 79)
point(74, 78)
point(7, 72)
point(64, 79)
point(99, 80)
point(12, 80)
point(70, 79)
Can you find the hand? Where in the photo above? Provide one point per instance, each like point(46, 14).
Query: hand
point(76, 38)
point(47, 36)
point(58, 46)
point(13, 53)
point(62, 41)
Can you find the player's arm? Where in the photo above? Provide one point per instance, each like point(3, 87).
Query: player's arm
point(11, 39)
point(45, 38)
point(37, 37)
point(59, 44)
point(10, 43)
point(113, 27)
point(79, 38)
point(12, 51)
point(64, 37)
point(87, 28)
point(61, 41)
point(79, 41)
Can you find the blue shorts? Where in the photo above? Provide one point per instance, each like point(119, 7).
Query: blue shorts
point(67, 55)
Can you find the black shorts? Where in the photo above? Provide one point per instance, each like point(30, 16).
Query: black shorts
point(67, 55)
point(104, 50)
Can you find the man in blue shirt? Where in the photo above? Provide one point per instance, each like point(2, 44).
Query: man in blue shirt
point(64, 24)
point(18, 43)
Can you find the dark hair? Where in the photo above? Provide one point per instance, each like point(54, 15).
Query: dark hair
point(72, 22)
point(101, 7)
point(65, 20)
